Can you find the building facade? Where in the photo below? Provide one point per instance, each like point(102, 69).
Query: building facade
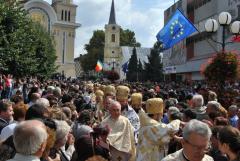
point(59, 19)
point(187, 59)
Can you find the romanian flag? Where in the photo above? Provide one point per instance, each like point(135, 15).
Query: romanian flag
point(99, 66)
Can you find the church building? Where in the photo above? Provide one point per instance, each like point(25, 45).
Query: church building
point(59, 19)
point(114, 54)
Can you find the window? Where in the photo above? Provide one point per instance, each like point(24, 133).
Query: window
point(69, 16)
point(62, 15)
point(66, 15)
point(64, 47)
point(113, 37)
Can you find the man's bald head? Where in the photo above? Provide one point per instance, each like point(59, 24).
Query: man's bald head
point(29, 136)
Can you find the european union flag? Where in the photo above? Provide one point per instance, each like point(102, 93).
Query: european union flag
point(177, 28)
point(125, 67)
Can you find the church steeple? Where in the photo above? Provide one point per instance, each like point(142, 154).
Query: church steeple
point(112, 19)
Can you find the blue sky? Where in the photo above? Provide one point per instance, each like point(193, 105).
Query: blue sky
point(144, 17)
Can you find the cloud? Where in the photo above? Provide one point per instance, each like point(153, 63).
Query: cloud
point(144, 17)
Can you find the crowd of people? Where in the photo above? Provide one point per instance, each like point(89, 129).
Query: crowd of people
point(74, 120)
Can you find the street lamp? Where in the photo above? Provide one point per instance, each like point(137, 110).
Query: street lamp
point(224, 20)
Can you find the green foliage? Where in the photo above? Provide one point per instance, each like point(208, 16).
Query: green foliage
point(127, 38)
point(158, 46)
point(25, 47)
point(133, 67)
point(153, 69)
point(140, 71)
point(95, 47)
point(223, 68)
point(95, 51)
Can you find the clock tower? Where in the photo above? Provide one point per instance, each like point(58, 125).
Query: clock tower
point(112, 50)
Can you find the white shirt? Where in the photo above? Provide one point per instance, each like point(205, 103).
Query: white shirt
point(7, 132)
point(21, 157)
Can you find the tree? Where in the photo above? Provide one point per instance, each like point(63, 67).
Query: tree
point(127, 38)
point(140, 71)
point(133, 67)
point(153, 69)
point(95, 47)
point(158, 46)
point(26, 49)
point(223, 68)
point(45, 53)
point(95, 51)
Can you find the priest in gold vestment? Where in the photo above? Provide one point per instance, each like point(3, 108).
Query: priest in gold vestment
point(121, 137)
point(154, 136)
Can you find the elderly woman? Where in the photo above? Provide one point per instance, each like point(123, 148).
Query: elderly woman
point(229, 142)
point(63, 137)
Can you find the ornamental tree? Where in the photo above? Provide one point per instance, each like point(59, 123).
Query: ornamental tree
point(224, 67)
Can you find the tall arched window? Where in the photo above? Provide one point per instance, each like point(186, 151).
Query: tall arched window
point(113, 37)
point(63, 47)
point(62, 15)
point(69, 16)
point(66, 15)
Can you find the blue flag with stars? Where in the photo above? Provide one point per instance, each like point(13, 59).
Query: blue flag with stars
point(125, 67)
point(177, 29)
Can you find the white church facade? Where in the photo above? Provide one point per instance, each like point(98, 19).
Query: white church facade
point(59, 19)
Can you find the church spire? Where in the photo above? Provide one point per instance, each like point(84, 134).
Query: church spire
point(112, 19)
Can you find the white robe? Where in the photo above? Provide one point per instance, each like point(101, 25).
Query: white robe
point(153, 138)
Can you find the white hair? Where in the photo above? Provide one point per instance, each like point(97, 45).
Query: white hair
point(233, 108)
point(115, 103)
point(43, 101)
point(173, 109)
point(62, 129)
point(28, 137)
point(214, 104)
point(198, 100)
point(50, 89)
point(58, 91)
point(197, 127)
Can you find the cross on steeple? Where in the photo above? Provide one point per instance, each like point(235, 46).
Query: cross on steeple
point(112, 19)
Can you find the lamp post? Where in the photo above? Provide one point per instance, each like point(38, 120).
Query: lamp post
point(224, 20)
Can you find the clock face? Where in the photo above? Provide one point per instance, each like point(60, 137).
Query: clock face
point(40, 17)
point(113, 27)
